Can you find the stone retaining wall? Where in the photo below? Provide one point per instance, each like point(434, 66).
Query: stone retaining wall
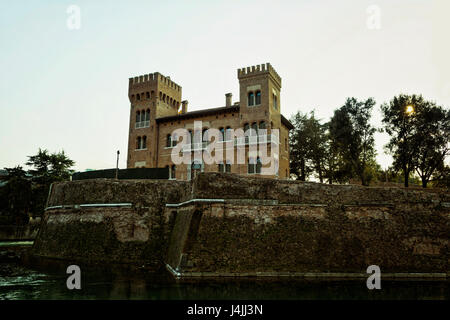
point(225, 224)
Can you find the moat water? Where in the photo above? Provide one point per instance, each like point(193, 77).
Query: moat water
point(25, 282)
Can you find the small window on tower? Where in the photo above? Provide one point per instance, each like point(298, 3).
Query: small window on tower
point(251, 99)
point(258, 97)
point(138, 143)
point(138, 116)
point(144, 142)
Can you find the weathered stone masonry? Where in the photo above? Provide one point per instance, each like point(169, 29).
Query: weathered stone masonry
point(229, 225)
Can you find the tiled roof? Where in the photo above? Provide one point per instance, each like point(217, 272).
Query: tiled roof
point(206, 112)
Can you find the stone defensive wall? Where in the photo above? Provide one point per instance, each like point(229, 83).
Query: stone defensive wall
point(226, 225)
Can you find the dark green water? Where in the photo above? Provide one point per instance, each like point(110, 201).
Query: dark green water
point(18, 281)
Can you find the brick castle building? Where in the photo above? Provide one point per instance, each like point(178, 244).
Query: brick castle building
point(157, 109)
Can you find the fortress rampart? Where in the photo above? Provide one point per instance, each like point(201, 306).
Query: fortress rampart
point(229, 225)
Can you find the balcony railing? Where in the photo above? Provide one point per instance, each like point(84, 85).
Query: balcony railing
point(266, 138)
point(248, 140)
point(142, 124)
point(195, 146)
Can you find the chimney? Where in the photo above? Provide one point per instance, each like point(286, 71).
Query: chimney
point(228, 99)
point(184, 105)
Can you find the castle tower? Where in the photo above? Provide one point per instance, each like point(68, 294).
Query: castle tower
point(259, 91)
point(151, 96)
point(259, 88)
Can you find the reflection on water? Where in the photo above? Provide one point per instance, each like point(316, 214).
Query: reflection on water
point(48, 281)
point(15, 243)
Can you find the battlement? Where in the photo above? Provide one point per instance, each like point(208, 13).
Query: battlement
point(153, 78)
point(257, 70)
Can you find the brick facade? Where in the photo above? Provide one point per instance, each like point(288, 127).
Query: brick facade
point(157, 110)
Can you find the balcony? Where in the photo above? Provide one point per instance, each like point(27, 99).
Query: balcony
point(266, 138)
point(194, 146)
point(241, 141)
point(142, 124)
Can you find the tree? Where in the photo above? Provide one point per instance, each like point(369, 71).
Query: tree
point(431, 139)
point(298, 147)
point(441, 177)
point(420, 133)
point(17, 196)
point(308, 146)
point(352, 138)
point(50, 167)
point(47, 168)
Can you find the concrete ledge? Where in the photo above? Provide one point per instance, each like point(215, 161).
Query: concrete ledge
point(91, 205)
point(304, 275)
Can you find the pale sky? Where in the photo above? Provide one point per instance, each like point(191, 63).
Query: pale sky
point(67, 89)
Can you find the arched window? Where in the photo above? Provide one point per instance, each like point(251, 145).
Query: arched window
point(258, 98)
point(138, 96)
point(142, 117)
point(205, 134)
point(258, 165)
point(191, 136)
point(195, 166)
point(147, 95)
point(147, 115)
point(172, 172)
point(222, 134)
point(169, 141)
point(262, 125)
point(144, 142)
point(164, 97)
point(254, 132)
point(152, 94)
point(138, 116)
point(132, 97)
point(160, 95)
point(228, 134)
point(221, 167)
point(275, 106)
point(174, 140)
point(138, 143)
point(228, 167)
point(251, 99)
point(246, 127)
point(251, 166)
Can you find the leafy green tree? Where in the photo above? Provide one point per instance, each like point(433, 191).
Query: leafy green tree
point(431, 140)
point(298, 147)
point(308, 146)
point(420, 133)
point(47, 168)
point(441, 177)
point(17, 196)
point(352, 138)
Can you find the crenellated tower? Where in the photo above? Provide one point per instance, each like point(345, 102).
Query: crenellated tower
point(151, 96)
point(259, 88)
